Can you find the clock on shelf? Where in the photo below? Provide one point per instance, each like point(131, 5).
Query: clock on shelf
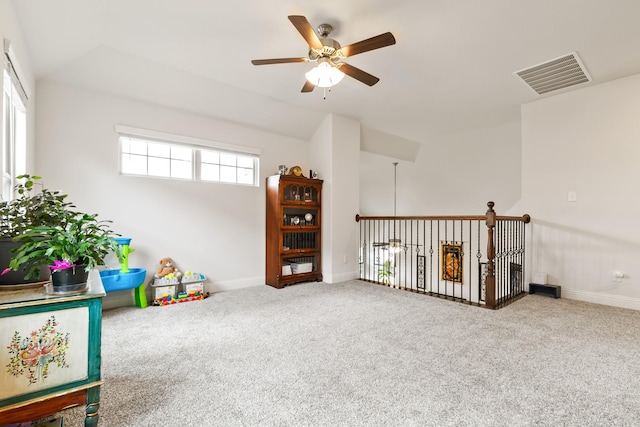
point(296, 171)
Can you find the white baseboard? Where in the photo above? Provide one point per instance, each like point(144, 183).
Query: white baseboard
point(341, 277)
point(231, 285)
point(605, 299)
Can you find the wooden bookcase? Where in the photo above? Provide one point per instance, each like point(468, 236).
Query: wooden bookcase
point(293, 240)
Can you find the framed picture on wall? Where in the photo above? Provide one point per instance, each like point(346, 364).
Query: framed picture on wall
point(515, 277)
point(421, 268)
point(451, 262)
point(483, 271)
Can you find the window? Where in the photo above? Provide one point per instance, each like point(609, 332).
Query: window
point(156, 154)
point(226, 167)
point(14, 129)
point(141, 157)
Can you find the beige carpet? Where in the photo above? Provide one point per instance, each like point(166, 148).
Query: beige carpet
point(358, 354)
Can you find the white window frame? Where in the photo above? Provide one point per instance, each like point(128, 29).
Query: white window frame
point(14, 123)
point(198, 146)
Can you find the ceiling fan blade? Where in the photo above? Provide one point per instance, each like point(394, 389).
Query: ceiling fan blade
point(358, 74)
point(308, 87)
point(306, 30)
point(376, 42)
point(278, 61)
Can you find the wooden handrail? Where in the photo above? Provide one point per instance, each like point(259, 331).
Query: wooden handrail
point(426, 218)
point(524, 218)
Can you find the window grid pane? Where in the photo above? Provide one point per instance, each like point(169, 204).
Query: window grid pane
point(227, 174)
point(159, 150)
point(209, 172)
point(181, 153)
point(134, 164)
point(210, 157)
point(227, 159)
point(181, 169)
point(245, 176)
point(159, 167)
point(136, 146)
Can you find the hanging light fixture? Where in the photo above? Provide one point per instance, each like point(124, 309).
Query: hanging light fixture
point(395, 244)
point(325, 74)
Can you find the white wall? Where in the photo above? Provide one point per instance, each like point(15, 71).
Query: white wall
point(211, 228)
point(321, 153)
point(585, 141)
point(456, 175)
point(345, 198)
point(335, 148)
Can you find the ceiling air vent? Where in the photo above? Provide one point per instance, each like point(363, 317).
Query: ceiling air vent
point(555, 74)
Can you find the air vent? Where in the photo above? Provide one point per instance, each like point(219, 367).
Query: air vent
point(556, 74)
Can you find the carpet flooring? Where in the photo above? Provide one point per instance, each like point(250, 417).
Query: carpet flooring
point(358, 354)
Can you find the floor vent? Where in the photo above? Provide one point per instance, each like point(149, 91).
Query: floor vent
point(556, 74)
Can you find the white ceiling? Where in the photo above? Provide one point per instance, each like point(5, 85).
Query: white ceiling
point(451, 69)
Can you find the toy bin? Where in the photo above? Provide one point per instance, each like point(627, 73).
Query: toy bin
point(193, 282)
point(165, 286)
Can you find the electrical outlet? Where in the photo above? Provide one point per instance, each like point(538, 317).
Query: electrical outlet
point(618, 276)
point(346, 259)
point(572, 196)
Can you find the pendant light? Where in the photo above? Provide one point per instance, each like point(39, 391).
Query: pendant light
point(395, 244)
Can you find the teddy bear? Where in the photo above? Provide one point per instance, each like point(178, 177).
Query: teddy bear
point(167, 267)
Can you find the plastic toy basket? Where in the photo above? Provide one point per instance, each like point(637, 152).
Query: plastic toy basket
point(193, 277)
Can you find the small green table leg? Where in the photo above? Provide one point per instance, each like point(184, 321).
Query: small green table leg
point(141, 296)
point(93, 405)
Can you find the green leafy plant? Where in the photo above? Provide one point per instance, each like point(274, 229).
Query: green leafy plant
point(47, 230)
point(33, 206)
point(385, 274)
point(78, 239)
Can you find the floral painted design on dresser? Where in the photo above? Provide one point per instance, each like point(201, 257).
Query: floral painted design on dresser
point(32, 355)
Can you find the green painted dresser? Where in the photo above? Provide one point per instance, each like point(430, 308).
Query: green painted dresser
point(50, 352)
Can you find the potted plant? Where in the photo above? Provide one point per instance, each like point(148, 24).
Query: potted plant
point(70, 247)
point(33, 206)
point(386, 272)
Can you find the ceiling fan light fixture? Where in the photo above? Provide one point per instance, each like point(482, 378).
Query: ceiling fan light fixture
point(324, 74)
point(395, 245)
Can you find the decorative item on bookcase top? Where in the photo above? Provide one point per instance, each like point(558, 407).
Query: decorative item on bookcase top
point(295, 171)
point(282, 169)
point(68, 280)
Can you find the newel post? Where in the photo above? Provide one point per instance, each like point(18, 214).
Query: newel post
point(490, 283)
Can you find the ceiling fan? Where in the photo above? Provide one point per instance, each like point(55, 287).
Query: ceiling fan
point(328, 54)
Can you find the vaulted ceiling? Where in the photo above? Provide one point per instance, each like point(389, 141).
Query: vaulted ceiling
point(452, 68)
